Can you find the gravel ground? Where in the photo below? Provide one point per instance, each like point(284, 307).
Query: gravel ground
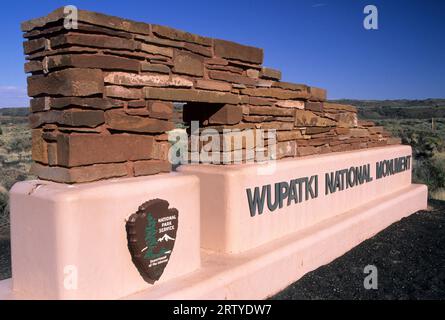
point(5, 259)
point(409, 256)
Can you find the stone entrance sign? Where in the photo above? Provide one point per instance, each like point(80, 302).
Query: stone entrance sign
point(107, 219)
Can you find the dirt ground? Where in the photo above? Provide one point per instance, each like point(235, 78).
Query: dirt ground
point(409, 256)
point(5, 259)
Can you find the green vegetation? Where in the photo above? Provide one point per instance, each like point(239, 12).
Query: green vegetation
point(402, 103)
point(14, 112)
point(15, 157)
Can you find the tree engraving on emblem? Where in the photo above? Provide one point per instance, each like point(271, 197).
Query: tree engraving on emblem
point(151, 235)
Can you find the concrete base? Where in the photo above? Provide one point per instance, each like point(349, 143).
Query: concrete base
point(238, 256)
point(226, 222)
point(264, 271)
point(70, 241)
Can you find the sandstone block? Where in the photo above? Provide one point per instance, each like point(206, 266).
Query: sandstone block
point(317, 94)
point(123, 93)
point(174, 34)
point(39, 147)
point(227, 114)
point(270, 111)
point(105, 62)
point(93, 41)
point(346, 119)
point(230, 77)
point(71, 118)
point(358, 133)
point(232, 50)
point(306, 118)
point(212, 85)
point(289, 135)
point(32, 46)
point(316, 130)
point(142, 80)
point(79, 174)
point(122, 122)
point(160, 109)
point(257, 118)
point(161, 150)
point(146, 168)
point(275, 125)
point(204, 51)
point(269, 73)
point(341, 148)
point(48, 31)
point(306, 151)
point(260, 101)
point(153, 67)
point(253, 73)
point(337, 107)
point(276, 93)
point(93, 18)
point(286, 149)
point(188, 63)
point(291, 86)
point(33, 66)
point(216, 61)
point(314, 106)
point(295, 104)
point(69, 82)
point(154, 49)
point(84, 149)
point(187, 95)
point(47, 103)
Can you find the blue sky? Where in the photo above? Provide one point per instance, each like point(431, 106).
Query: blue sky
point(317, 42)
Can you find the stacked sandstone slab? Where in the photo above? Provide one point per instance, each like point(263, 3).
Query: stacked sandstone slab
point(103, 95)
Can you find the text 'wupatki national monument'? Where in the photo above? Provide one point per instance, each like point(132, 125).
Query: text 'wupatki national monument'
point(107, 218)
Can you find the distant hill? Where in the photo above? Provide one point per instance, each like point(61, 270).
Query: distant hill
point(14, 112)
point(402, 103)
point(398, 109)
point(368, 109)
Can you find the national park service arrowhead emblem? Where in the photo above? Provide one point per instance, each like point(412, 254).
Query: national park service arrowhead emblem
point(151, 235)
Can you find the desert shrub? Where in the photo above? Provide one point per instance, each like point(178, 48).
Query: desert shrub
point(430, 172)
point(424, 144)
point(9, 176)
point(428, 167)
point(19, 144)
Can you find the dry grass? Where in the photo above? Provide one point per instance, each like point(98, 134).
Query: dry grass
point(15, 161)
point(438, 194)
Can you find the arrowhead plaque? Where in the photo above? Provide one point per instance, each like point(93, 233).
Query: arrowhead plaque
point(151, 235)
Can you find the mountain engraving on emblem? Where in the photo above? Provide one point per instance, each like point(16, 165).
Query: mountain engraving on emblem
point(151, 235)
